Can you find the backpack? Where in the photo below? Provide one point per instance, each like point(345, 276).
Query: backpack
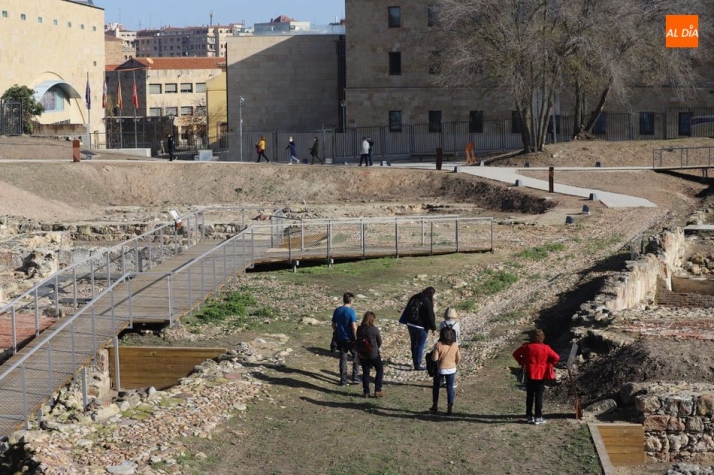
point(412, 313)
point(431, 365)
point(363, 347)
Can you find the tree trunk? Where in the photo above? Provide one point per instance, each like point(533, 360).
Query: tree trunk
point(526, 117)
point(578, 122)
point(599, 108)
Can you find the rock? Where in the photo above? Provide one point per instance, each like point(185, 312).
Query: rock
point(309, 321)
point(106, 412)
point(601, 407)
point(653, 444)
point(628, 391)
point(705, 405)
point(126, 468)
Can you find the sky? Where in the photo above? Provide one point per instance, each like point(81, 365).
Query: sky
point(137, 14)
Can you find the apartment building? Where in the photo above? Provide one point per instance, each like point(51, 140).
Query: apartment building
point(165, 87)
point(280, 24)
point(55, 47)
point(128, 39)
point(190, 41)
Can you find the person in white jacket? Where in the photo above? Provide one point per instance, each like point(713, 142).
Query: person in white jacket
point(364, 153)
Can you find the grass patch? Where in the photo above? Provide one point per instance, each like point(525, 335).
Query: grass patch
point(466, 305)
point(238, 309)
point(540, 253)
point(495, 282)
point(509, 317)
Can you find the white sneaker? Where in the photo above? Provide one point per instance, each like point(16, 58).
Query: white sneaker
point(539, 421)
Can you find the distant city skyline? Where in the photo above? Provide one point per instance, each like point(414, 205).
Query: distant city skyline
point(140, 14)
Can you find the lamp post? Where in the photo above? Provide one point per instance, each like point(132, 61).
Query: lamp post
point(240, 125)
point(343, 104)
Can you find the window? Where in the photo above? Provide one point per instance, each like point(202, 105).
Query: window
point(4, 13)
point(172, 111)
point(475, 122)
point(434, 121)
point(600, 126)
point(94, 28)
point(53, 100)
point(200, 87)
point(154, 88)
point(186, 87)
point(55, 22)
point(647, 123)
point(432, 13)
point(685, 124)
point(516, 124)
point(81, 26)
point(39, 19)
point(395, 121)
point(170, 88)
point(434, 62)
point(395, 17)
point(395, 63)
point(186, 110)
point(155, 112)
point(69, 24)
point(23, 16)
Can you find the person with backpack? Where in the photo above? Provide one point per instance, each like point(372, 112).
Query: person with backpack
point(450, 321)
point(344, 322)
point(367, 345)
point(419, 317)
point(538, 360)
point(447, 355)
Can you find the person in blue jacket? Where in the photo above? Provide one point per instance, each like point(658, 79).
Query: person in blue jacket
point(293, 152)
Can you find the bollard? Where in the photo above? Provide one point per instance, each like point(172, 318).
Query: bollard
point(551, 175)
point(592, 197)
point(481, 163)
point(598, 164)
point(586, 209)
point(569, 220)
point(439, 158)
point(519, 182)
point(457, 169)
point(527, 164)
point(75, 151)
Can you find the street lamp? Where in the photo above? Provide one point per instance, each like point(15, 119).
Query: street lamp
point(343, 104)
point(240, 117)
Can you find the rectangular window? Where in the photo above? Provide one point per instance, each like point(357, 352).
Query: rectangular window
point(200, 87)
point(647, 123)
point(395, 63)
point(685, 124)
point(186, 110)
point(4, 13)
point(155, 112)
point(432, 14)
point(186, 87)
point(395, 17)
point(395, 121)
point(23, 16)
point(69, 24)
point(434, 121)
point(600, 127)
point(170, 88)
point(475, 122)
point(434, 62)
point(81, 26)
point(154, 88)
point(55, 22)
point(516, 125)
point(172, 111)
point(94, 28)
point(39, 19)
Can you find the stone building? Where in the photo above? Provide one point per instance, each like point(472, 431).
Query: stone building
point(166, 87)
point(114, 50)
point(127, 37)
point(199, 41)
point(55, 47)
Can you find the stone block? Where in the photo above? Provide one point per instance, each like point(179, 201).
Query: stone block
point(106, 412)
point(675, 424)
point(656, 423)
point(677, 441)
point(628, 391)
point(678, 405)
point(705, 405)
point(653, 444)
point(647, 403)
point(705, 444)
point(694, 424)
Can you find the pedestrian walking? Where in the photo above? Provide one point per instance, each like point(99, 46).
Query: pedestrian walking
point(419, 317)
point(538, 361)
point(371, 147)
point(344, 322)
point(369, 341)
point(170, 147)
point(293, 152)
point(364, 156)
point(450, 321)
point(315, 151)
point(260, 148)
point(447, 355)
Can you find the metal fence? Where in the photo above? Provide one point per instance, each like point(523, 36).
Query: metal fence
point(682, 157)
point(32, 376)
point(10, 118)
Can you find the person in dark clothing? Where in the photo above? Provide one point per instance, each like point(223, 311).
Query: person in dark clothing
point(170, 147)
point(344, 323)
point(370, 332)
point(293, 152)
point(315, 150)
point(371, 147)
point(419, 318)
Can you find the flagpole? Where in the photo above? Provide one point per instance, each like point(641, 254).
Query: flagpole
point(89, 117)
point(134, 100)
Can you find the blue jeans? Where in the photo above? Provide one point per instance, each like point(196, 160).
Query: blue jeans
point(379, 369)
point(449, 388)
point(418, 344)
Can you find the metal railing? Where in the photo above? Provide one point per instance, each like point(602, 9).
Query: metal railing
point(33, 375)
point(682, 157)
point(11, 118)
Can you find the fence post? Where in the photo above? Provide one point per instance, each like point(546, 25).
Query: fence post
point(290, 247)
point(396, 238)
point(422, 231)
point(203, 282)
point(137, 262)
point(203, 224)
point(457, 234)
point(431, 239)
point(491, 234)
point(171, 307)
point(117, 369)
point(213, 258)
point(37, 313)
point(109, 277)
point(85, 399)
point(363, 242)
point(57, 289)
point(150, 258)
point(329, 240)
point(24, 398)
point(190, 289)
point(94, 330)
point(74, 286)
point(49, 369)
point(74, 359)
point(14, 330)
point(130, 294)
point(252, 248)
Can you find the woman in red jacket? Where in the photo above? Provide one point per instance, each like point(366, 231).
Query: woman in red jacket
point(538, 360)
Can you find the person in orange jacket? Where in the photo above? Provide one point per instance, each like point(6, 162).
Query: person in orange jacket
point(538, 360)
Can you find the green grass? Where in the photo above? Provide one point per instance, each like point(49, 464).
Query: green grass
point(466, 305)
point(495, 282)
point(540, 253)
point(236, 309)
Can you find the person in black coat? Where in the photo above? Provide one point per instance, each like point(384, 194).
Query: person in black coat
point(170, 147)
point(419, 318)
point(372, 358)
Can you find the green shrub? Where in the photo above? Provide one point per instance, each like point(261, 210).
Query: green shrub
point(495, 282)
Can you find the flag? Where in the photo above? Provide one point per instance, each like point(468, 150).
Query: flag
point(88, 95)
point(119, 101)
point(134, 96)
point(104, 95)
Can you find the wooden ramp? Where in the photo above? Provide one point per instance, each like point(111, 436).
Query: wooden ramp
point(619, 445)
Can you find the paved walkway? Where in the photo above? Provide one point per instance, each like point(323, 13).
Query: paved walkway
point(510, 175)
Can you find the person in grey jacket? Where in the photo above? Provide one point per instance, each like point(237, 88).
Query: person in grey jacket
point(367, 331)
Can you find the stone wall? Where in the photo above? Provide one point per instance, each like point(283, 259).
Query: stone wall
point(667, 297)
point(678, 421)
